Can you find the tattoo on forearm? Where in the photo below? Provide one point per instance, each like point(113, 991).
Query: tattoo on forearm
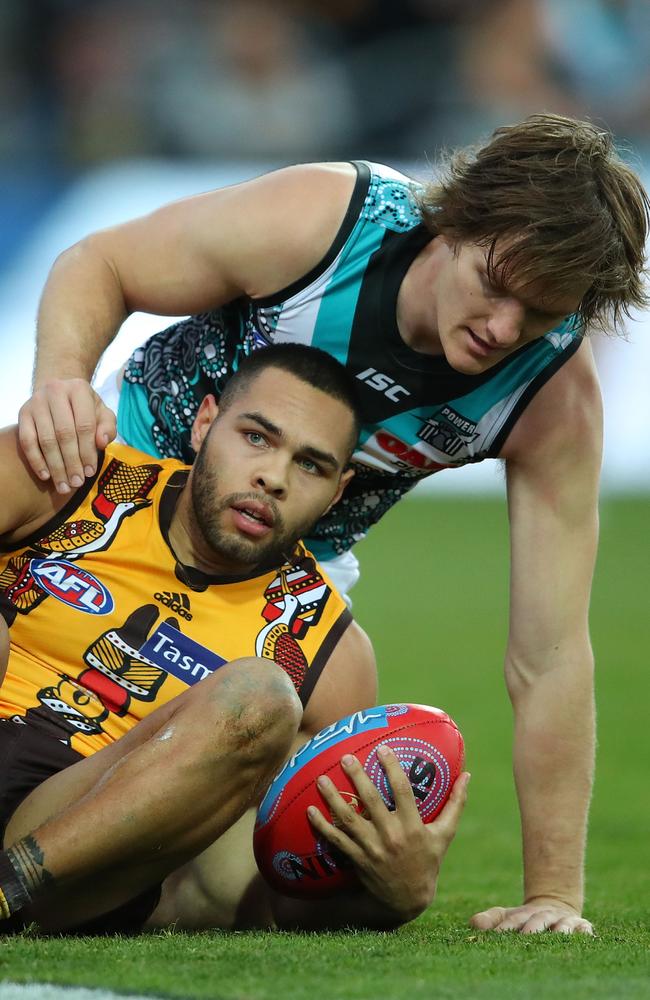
point(28, 862)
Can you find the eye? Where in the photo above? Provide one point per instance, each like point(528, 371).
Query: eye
point(256, 438)
point(489, 286)
point(308, 465)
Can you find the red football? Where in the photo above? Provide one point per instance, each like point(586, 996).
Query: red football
point(291, 856)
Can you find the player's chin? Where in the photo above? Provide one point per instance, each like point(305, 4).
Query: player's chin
point(468, 364)
point(464, 363)
point(257, 550)
point(467, 358)
point(269, 551)
point(243, 552)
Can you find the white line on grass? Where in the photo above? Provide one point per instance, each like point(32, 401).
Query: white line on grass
point(46, 991)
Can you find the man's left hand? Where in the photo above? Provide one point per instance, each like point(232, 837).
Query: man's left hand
point(541, 914)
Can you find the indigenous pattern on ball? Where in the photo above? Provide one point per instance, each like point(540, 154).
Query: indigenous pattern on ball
point(286, 864)
point(427, 770)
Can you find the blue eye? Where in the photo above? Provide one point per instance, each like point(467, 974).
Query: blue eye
point(255, 438)
point(309, 466)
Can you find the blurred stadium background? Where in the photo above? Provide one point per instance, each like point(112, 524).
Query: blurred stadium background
point(111, 107)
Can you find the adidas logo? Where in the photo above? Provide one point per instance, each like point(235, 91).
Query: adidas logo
point(178, 603)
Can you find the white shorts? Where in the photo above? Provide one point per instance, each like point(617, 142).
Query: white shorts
point(342, 570)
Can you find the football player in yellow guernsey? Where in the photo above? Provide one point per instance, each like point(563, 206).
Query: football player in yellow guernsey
point(171, 643)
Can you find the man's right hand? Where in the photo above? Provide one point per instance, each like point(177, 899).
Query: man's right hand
point(396, 856)
point(61, 429)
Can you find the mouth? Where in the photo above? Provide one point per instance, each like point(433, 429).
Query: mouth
point(253, 517)
point(479, 346)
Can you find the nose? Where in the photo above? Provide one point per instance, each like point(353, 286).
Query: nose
point(506, 322)
point(272, 478)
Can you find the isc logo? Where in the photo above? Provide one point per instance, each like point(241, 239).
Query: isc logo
point(72, 585)
point(383, 383)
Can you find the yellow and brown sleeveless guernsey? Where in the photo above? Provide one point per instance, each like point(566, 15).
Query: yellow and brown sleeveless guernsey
point(106, 626)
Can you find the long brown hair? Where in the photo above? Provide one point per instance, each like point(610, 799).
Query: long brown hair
point(564, 208)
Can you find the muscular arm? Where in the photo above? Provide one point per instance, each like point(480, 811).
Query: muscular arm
point(187, 257)
point(553, 464)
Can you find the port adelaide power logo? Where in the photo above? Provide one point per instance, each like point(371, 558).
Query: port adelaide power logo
point(448, 431)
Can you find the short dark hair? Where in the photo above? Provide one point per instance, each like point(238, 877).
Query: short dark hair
point(309, 364)
point(565, 207)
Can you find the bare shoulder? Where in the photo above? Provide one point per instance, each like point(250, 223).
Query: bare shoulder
point(347, 684)
point(25, 502)
point(565, 415)
point(254, 238)
point(302, 182)
point(303, 206)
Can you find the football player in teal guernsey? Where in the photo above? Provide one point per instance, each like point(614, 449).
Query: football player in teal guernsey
point(461, 308)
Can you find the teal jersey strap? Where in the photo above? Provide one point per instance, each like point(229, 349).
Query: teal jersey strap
point(134, 419)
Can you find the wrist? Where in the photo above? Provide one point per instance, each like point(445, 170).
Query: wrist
point(408, 908)
point(559, 883)
point(44, 379)
point(552, 899)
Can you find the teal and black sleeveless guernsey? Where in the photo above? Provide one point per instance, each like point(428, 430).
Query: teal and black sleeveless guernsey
point(419, 414)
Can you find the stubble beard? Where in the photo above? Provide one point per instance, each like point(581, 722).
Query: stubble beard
point(208, 508)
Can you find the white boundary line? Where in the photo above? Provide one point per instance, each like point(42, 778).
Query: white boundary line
point(47, 991)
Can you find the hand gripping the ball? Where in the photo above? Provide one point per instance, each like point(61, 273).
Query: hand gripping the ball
point(396, 856)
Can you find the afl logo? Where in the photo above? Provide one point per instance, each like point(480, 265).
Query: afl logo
point(74, 586)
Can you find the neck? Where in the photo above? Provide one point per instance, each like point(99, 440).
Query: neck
point(416, 303)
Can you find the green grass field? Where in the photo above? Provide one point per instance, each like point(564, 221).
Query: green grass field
point(433, 598)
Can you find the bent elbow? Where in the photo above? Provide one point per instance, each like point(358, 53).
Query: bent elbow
point(574, 661)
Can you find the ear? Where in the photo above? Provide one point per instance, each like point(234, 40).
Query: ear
point(207, 412)
point(343, 482)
